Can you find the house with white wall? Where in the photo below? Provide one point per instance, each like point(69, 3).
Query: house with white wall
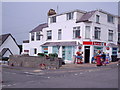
point(8, 46)
point(73, 31)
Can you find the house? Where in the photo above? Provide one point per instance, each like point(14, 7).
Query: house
point(73, 31)
point(8, 46)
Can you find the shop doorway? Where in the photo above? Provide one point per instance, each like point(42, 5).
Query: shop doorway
point(87, 54)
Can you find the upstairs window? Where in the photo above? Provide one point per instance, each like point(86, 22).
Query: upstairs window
point(37, 35)
point(97, 18)
point(59, 34)
point(76, 32)
point(53, 19)
point(87, 32)
point(49, 34)
point(97, 33)
point(110, 19)
point(70, 15)
point(110, 35)
point(32, 36)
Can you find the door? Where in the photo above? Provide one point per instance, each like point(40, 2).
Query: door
point(68, 53)
point(87, 54)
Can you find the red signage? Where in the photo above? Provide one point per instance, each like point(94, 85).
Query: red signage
point(94, 43)
point(87, 43)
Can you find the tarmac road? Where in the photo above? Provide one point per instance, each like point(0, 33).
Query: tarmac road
point(74, 77)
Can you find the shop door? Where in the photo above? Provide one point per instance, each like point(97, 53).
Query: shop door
point(68, 53)
point(87, 54)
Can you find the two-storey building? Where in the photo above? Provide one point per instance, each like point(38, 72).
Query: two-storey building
point(73, 31)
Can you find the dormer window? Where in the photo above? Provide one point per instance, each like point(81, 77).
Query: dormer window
point(37, 35)
point(70, 15)
point(53, 19)
point(32, 36)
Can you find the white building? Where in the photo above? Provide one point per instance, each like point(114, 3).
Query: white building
point(68, 32)
point(8, 46)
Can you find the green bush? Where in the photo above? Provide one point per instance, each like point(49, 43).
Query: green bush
point(53, 55)
point(41, 54)
point(5, 58)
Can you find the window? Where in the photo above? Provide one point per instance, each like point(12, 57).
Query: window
point(76, 32)
point(32, 36)
point(45, 49)
point(110, 35)
point(59, 34)
point(70, 15)
point(97, 33)
point(37, 35)
point(35, 51)
point(97, 18)
point(49, 34)
point(87, 32)
point(110, 19)
point(53, 19)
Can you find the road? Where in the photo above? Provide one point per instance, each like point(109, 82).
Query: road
point(74, 77)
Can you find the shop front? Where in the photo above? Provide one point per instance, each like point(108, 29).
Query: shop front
point(91, 48)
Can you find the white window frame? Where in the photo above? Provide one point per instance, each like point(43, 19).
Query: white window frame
point(75, 30)
point(70, 15)
point(87, 32)
point(97, 33)
point(110, 35)
point(37, 36)
point(32, 36)
point(59, 34)
point(53, 19)
point(49, 34)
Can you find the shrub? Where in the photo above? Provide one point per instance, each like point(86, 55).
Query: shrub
point(5, 58)
point(41, 54)
point(53, 55)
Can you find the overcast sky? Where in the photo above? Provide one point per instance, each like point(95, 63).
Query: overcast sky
point(18, 18)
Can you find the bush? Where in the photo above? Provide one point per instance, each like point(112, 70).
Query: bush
point(53, 55)
point(41, 54)
point(5, 58)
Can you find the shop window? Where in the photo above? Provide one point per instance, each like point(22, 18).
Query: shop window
point(59, 34)
point(45, 49)
point(76, 32)
point(53, 19)
point(70, 15)
point(32, 36)
point(97, 33)
point(114, 51)
point(37, 35)
point(110, 35)
point(49, 34)
point(55, 49)
point(87, 32)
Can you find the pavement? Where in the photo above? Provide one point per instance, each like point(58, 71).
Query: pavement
point(68, 76)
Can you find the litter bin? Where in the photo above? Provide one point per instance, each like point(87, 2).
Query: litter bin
point(114, 58)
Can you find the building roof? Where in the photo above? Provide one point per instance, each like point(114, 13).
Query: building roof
point(39, 27)
point(72, 43)
point(86, 16)
point(4, 37)
point(4, 50)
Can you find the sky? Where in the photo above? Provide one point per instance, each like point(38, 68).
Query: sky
point(19, 18)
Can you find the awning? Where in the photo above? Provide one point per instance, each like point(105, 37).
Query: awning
point(72, 43)
point(112, 45)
